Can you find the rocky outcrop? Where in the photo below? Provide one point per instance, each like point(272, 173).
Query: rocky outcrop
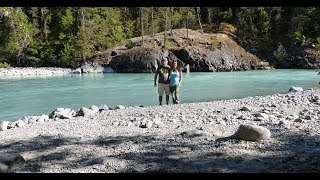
point(300, 57)
point(141, 60)
point(222, 58)
point(204, 52)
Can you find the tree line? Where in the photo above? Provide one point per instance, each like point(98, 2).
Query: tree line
point(61, 37)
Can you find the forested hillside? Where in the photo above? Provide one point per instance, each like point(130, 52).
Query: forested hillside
point(67, 36)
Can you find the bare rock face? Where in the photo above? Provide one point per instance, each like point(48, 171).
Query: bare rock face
point(202, 52)
point(141, 60)
point(218, 60)
point(252, 133)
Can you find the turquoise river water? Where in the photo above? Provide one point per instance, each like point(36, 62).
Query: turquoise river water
point(25, 96)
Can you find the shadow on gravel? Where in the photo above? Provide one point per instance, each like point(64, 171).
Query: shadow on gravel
point(287, 153)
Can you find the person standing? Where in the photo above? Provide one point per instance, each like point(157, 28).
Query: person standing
point(163, 81)
point(175, 81)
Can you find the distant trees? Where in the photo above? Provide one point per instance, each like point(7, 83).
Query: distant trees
point(49, 36)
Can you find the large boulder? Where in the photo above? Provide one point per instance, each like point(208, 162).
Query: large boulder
point(141, 60)
point(251, 133)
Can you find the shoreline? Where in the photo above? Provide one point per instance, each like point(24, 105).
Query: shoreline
point(190, 137)
point(33, 71)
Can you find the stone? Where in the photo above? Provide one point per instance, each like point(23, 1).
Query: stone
point(295, 89)
point(103, 107)
point(25, 119)
point(308, 117)
point(263, 115)
point(85, 112)
point(76, 71)
point(43, 118)
point(245, 108)
point(11, 125)
point(298, 120)
point(4, 125)
point(149, 124)
point(259, 119)
point(94, 108)
point(293, 116)
point(20, 123)
point(251, 133)
point(12, 161)
point(62, 113)
point(3, 168)
point(119, 107)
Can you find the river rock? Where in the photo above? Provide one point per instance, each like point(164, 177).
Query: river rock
point(24, 119)
point(12, 161)
point(245, 108)
point(94, 108)
point(103, 107)
point(20, 123)
point(76, 71)
point(62, 113)
point(119, 107)
point(85, 112)
point(251, 133)
point(295, 89)
point(4, 125)
point(263, 115)
point(3, 168)
point(43, 118)
point(11, 125)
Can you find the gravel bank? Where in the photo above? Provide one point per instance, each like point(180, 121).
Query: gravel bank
point(30, 71)
point(191, 137)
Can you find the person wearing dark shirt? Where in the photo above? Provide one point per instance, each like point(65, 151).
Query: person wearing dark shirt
point(163, 80)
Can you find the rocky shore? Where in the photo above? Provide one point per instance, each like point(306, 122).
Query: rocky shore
point(30, 71)
point(274, 133)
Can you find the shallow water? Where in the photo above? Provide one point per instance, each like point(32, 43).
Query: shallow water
point(24, 96)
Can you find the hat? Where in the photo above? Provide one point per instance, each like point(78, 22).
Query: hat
point(164, 59)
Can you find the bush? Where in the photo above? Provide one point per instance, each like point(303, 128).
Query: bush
point(215, 43)
point(4, 65)
point(130, 44)
point(280, 54)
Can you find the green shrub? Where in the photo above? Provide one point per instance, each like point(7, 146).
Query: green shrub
point(215, 43)
point(4, 65)
point(280, 54)
point(130, 44)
